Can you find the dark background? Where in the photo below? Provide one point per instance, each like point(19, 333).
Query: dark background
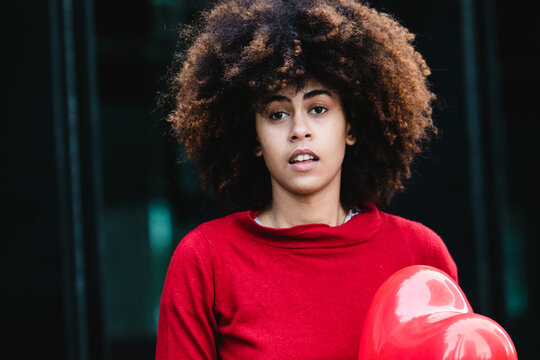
point(95, 200)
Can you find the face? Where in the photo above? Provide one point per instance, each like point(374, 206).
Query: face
point(303, 134)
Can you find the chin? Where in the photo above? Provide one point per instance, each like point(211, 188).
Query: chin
point(307, 186)
point(306, 189)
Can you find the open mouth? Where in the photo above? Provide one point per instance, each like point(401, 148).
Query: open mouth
point(302, 158)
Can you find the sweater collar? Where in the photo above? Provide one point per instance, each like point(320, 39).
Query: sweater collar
point(360, 228)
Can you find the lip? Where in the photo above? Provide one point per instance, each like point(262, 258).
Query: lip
point(302, 152)
point(303, 165)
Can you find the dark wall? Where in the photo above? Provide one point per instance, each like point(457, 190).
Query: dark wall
point(51, 302)
point(32, 294)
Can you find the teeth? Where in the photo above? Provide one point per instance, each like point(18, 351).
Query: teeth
point(303, 158)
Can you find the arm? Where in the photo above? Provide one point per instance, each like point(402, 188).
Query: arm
point(187, 326)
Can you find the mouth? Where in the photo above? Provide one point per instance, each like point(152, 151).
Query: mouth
point(302, 155)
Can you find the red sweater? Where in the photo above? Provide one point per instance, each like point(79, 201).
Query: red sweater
point(238, 290)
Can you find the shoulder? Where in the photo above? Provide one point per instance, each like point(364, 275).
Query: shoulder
point(229, 225)
point(202, 249)
point(410, 229)
point(424, 243)
point(225, 222)
point(206, 234)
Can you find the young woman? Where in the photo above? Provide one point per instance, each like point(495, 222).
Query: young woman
point(304, 116)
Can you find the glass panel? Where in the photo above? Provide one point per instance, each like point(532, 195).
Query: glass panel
point(150, 201)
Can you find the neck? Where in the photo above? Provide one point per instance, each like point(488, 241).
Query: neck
point(286, 210)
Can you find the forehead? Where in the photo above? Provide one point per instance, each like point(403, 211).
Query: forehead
point(311, 84)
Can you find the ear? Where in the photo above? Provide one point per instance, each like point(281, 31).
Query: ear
point(350, 139)
point(258, 150)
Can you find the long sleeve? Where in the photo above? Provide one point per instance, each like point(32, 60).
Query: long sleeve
point(187, 326)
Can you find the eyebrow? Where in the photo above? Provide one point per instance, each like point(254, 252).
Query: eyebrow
point(307, 95)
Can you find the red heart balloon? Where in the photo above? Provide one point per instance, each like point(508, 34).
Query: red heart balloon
point(421, 313)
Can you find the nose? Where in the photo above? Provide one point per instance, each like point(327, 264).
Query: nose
point(300, 129)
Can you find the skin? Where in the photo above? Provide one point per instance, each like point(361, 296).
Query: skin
point(310, 120)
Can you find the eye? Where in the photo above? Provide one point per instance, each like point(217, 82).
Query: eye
point(278, 115)
point(318, 110)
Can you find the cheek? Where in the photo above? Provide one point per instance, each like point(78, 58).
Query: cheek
point(336, 135)
point(267, 137)
point(337, 149)
point(267, 145)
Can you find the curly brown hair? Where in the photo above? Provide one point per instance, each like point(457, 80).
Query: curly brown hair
point(242, 50)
